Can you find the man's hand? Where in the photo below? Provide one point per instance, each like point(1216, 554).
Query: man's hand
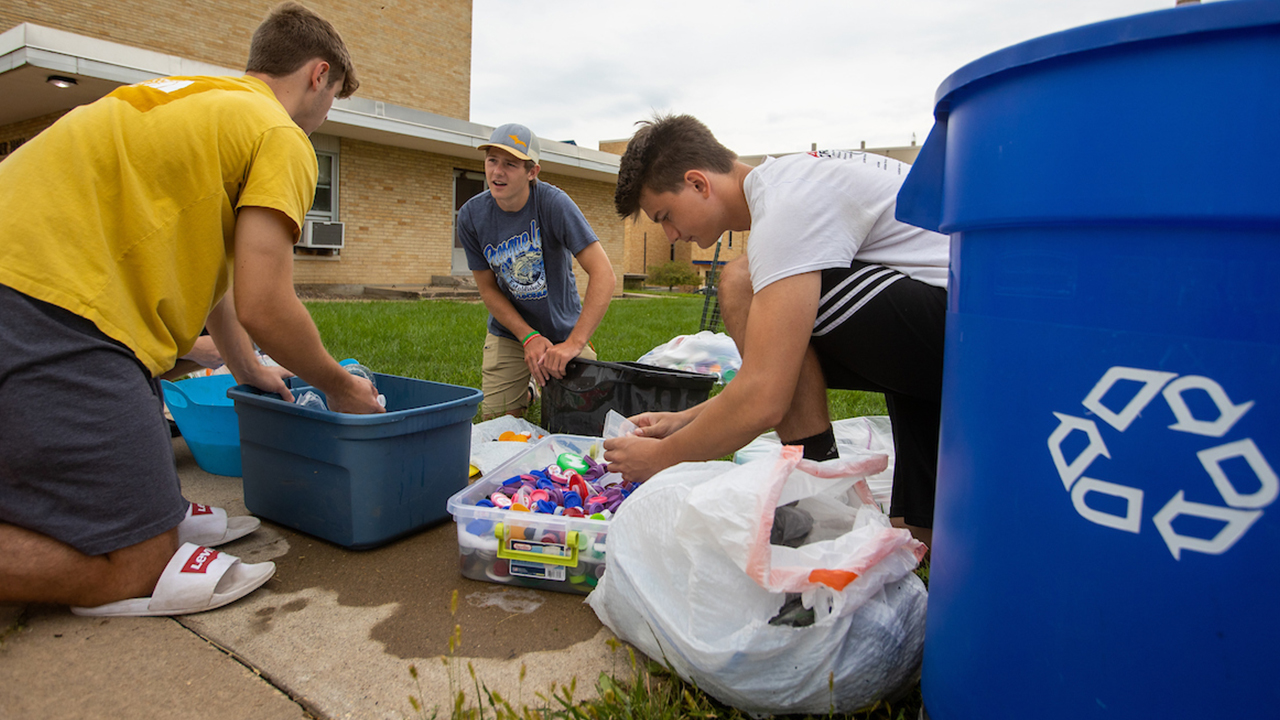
point(356, 396)
point(534, 351)
point(270, 379)
point(659, 424)
point(636, 458)
point(557, 358)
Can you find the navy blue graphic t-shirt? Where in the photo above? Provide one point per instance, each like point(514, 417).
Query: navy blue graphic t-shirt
point(530, 252)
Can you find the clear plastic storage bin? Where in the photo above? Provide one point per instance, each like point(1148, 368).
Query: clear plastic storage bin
point(526, 549)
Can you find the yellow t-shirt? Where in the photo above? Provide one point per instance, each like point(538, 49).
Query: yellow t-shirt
point(123, 211)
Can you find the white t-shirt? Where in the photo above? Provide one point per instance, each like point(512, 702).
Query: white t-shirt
point(812, 213)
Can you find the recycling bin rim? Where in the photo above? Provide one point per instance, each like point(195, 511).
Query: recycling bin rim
point(1167, 23)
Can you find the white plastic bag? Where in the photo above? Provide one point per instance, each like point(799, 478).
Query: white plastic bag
point(872, 433)
point(704, 352)
point(488, 452)
point(692, 580)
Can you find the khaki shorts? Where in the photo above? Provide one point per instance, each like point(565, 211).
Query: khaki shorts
point(505, 377)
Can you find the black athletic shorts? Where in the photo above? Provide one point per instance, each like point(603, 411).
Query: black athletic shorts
point(881, 331)
point(85, 452)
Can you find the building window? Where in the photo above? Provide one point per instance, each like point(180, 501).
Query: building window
point(325, 206)
point(323, 234)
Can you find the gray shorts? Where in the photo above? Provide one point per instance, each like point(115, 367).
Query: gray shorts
point(85, 452)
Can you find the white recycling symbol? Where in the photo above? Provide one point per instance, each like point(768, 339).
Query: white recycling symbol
point(1242, 509)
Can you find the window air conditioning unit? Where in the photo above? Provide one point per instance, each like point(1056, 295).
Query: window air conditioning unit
point(326, 235)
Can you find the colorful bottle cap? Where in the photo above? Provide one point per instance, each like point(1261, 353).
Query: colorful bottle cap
point(539, 494)
point(484, 503)
point(500, 571)
point(545, 506)
point(572, 461)
point(500, 500)
point(480, 528)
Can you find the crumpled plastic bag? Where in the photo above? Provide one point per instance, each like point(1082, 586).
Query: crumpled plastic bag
point(693, 581)
point(704, 352)
point(872, 433)
point(488, 452)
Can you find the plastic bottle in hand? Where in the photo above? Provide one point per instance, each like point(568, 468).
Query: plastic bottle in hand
point(311, 399)
point(361, 371)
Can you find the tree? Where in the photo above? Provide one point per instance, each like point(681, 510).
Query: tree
point(674, 273)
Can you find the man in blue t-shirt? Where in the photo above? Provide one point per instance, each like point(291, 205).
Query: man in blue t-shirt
point(521, 237)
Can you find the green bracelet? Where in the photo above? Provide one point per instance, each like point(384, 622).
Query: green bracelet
point(529, 337)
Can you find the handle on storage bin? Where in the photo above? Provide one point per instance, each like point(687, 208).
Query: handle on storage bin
point(177, 398)
point(502, 531)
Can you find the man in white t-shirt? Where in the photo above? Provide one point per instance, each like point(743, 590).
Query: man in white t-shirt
point(834, 292)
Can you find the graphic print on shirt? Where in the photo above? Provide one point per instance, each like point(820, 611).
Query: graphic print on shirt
point(517, 261)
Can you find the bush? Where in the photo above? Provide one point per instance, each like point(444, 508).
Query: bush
point(674, 273)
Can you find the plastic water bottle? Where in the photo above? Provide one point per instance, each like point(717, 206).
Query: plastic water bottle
point(311, 399)
point(361, 371)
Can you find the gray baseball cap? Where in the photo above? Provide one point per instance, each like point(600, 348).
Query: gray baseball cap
point(515, 139)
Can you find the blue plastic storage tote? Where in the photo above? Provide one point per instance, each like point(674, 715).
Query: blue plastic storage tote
point(206, 417)
point(357, 480)
point(1105, 526)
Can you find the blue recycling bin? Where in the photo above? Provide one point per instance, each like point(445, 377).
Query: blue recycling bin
point(1106, 524)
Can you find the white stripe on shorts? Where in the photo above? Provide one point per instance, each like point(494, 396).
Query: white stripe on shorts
point(874, 279)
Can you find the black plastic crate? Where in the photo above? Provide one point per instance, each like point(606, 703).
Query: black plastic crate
point(577, 403)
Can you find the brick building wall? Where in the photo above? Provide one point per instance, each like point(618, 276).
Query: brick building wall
point(397, 209)
point(396, 205)
point(417, 55)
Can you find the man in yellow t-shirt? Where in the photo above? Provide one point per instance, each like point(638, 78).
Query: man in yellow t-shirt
point(125, 222)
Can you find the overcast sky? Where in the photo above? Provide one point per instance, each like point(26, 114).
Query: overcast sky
point(767, 76)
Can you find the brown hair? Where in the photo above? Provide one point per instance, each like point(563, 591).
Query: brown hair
point(292, 36)
point(659, 155)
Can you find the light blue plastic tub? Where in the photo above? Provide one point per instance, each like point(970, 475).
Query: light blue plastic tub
point(207, 419)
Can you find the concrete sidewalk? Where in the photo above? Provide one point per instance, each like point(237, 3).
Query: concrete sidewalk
point(332, 635)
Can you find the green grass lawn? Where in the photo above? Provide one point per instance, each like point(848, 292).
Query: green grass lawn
point(441, 340)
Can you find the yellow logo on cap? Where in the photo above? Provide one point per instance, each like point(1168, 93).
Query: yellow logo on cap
point(517, 141)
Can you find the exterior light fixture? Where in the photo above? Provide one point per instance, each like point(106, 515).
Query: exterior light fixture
point(60, 81)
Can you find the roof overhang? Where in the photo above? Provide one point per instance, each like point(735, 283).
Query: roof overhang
point(30, 53)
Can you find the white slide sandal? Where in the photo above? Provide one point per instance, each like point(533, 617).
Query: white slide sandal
point(210, 526)
point(196, 579)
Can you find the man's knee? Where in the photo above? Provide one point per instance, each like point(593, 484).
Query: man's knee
point(39, 568)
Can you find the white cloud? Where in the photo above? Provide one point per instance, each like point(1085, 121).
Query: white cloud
point(769, 76)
